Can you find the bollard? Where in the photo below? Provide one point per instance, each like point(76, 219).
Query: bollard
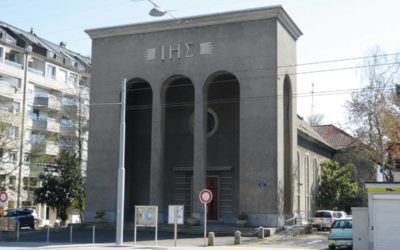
point(211, 239)
point(70, 235)
point(94, 234)
point(261, 233)
point(18, 227)
point(237, 238)
point(48, 235)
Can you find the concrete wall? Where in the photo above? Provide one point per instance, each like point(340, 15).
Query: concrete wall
point(360, 228)
point(306, 176)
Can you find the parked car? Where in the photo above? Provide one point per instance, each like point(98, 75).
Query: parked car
point(23, 216)
point(341, 234)
point(323, 219)
point(38, 221)
point(342, 214)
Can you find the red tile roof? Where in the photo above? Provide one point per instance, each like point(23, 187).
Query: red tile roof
point(335, 136)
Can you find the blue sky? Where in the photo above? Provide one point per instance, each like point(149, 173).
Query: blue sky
point(333, 29)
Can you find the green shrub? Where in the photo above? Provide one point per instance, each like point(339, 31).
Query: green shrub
point(243, 216)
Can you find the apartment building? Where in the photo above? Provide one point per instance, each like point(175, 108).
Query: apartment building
point(44, 97)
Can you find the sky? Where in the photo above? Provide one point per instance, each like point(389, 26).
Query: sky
point(343, 31)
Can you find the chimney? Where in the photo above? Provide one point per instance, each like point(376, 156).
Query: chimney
point(31, 30)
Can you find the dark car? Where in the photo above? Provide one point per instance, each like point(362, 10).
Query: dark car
point(22, 216)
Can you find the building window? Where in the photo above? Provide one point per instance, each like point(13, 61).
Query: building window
point(66, 122)
point(39, 92)
point(16, 108)
point(11, 204)
point(212, 122)
point(29, 183)
point(11, 182)
point(38, 116)
point(13, 156)
point(1, 52)
point(62, 75)
point(27, 204)
point(68, 100)
point(14, 132)
point(11, 81)
point(27, 158)
point(73, 78)
point(3, 182)
point(51, 54)
point(51, 71)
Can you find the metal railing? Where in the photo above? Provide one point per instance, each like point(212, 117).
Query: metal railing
point(14, 64)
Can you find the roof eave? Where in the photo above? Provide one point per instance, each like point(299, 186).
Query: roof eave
point(199, 21)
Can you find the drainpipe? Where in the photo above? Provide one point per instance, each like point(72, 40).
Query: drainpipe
point(21, 137)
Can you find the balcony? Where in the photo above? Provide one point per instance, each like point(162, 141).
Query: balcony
point(39, 124)
point(49, 124)
point(13, 64)
point(9, 117)
point(36, 71)
point(68, 131)
point(7, 90)
point(54, 102)
point(52, 148)
point(53, 125)
point(51, 102)
point(84, 92)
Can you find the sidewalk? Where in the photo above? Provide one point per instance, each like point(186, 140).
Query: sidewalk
point(24, 246)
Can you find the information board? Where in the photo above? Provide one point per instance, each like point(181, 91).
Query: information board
point(146, 216)
point(171, 214)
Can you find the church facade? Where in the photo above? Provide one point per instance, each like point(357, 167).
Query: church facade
point(210, 104)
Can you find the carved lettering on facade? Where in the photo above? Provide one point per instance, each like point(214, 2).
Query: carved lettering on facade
point(178, 51)
point(188, 49)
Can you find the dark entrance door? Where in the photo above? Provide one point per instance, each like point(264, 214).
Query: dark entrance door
point(212, 208)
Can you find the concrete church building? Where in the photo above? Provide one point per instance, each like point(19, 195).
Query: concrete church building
point(209, 104)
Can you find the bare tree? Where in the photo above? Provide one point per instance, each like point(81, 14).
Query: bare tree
point(8, 142)
point(315, 119)
point(372, 112)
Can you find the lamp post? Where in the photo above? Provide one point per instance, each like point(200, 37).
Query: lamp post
point(157, 11)
point(121, 169)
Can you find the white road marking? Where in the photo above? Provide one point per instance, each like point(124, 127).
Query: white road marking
point(313, 242)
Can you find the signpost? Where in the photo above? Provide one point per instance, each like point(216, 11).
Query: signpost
point(205, 197)
point(175, 216)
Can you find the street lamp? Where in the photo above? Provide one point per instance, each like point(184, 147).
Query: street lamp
point(121, 170)
point(157, 11)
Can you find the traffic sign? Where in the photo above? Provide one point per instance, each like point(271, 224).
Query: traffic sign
point(3, 197)
point(205, 196)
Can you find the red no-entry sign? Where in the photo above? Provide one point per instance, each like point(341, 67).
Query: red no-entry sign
point(205, 196)
point(3, 197)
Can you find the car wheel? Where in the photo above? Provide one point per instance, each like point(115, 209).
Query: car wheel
point(37, 223)
point(32, 226)
point(332, 247)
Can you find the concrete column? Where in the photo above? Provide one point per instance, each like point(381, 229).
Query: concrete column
point(200, 149)
point(157, 153)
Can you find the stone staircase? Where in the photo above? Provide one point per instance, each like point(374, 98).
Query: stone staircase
point(291, 231)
